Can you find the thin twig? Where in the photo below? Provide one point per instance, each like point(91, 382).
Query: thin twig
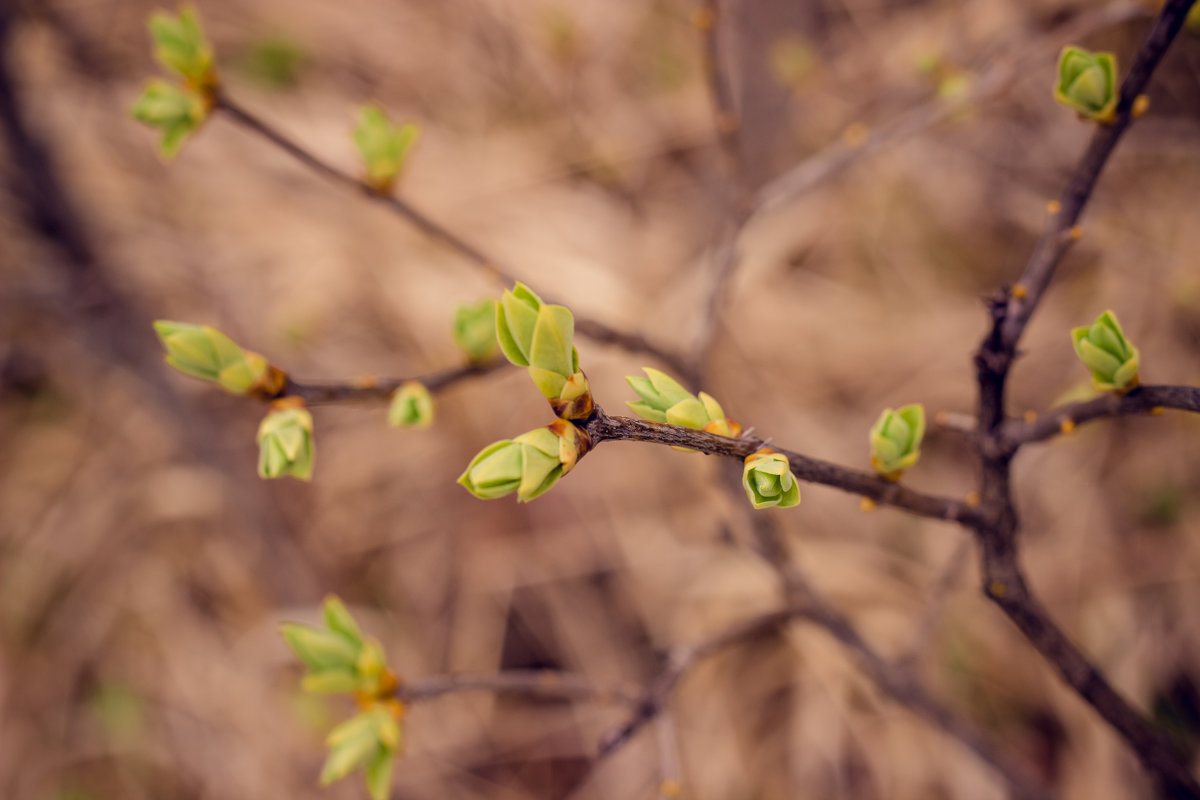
point(380, 389)
point(604, 428)
point(1063, 419)
point(593, 329)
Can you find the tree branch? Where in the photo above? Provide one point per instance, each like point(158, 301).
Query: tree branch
point(602, 427)
point(370, 388)
point(1064, 418)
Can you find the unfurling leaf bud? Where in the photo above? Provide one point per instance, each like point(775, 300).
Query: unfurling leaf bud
point(541, 336)
point(178, 112)
point(1087, 82)
point(896, 440)
point(339, 658)
point(383, 147)
point(663, 399)
point(204, 352)
point(528, 465)
point(1104, 350)
point(411, 406)
point(321, 649)
point(365, 740)
point(180, 46)
point(285, 442)
point(768, 480)
point(475, 330)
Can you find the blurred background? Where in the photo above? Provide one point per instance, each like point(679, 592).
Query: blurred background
point(144, 568)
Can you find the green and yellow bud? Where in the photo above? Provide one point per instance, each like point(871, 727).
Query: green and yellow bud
point(663, 399)
point(411, 406)
point(320, 649)
point(541, 336)
point(362, 741)
point(383, 147)
point(204, 352)
point(178, 112)
point(339, 658)
point(528, 465)
point(475, 330)
point(896, 440)
point(285, 441)
point(1087, 82)
point(1104, 350)
point(180, 46)
point(768, 480)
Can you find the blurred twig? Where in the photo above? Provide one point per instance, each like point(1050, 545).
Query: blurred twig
point(593, 329)
point(381, 389)
point(997, 528)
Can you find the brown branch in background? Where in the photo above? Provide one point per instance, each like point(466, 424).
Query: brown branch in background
point(1064, 418)
point(380, 389)
point(997, 529)
point(531, 683)
point(602, 427)
point(594, 329)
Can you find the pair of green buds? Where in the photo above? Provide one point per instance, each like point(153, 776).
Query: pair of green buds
point(539, 336)
point(340, 659)
point(178, 108)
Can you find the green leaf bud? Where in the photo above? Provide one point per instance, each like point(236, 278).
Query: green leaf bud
point(663, 399)
point(768, 480)
point(1104, 350)
point(337, 618)
point(320, 649)
point(204, 352)
point(539, 336)
point(285, 443)
point(351, 745)
point(384, 147)
point(180, 46)
point(411, 406)
point(475, 330)
point(896, 440)
point(178, 112)
point(1087, 82)
point(528, 465)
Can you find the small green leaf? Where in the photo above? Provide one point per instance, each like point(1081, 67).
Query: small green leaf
point(180, 46)
point(1104, 349)
point(379, 774)
point(178, 112)
point(320, 649)
point(382, 146)
point(895, 439)
point(768, 480)
point(475, 330)
point(411, 406)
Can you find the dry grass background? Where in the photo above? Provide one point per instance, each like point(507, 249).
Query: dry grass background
point(144, 568)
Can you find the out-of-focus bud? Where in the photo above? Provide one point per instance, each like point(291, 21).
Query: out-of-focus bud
point(528, 465)
point(1087, 82)
point(663, 399)
point(475, 330)
point(411, 406)
point(384, 147)
point(362, 741)
point(768, 480)
point(180, 46)
point(178, 112)
point(204, 352)
point(896, 440)
point(321, 649)
point(285, 441)
point(1104, 350)
point(541, 336)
